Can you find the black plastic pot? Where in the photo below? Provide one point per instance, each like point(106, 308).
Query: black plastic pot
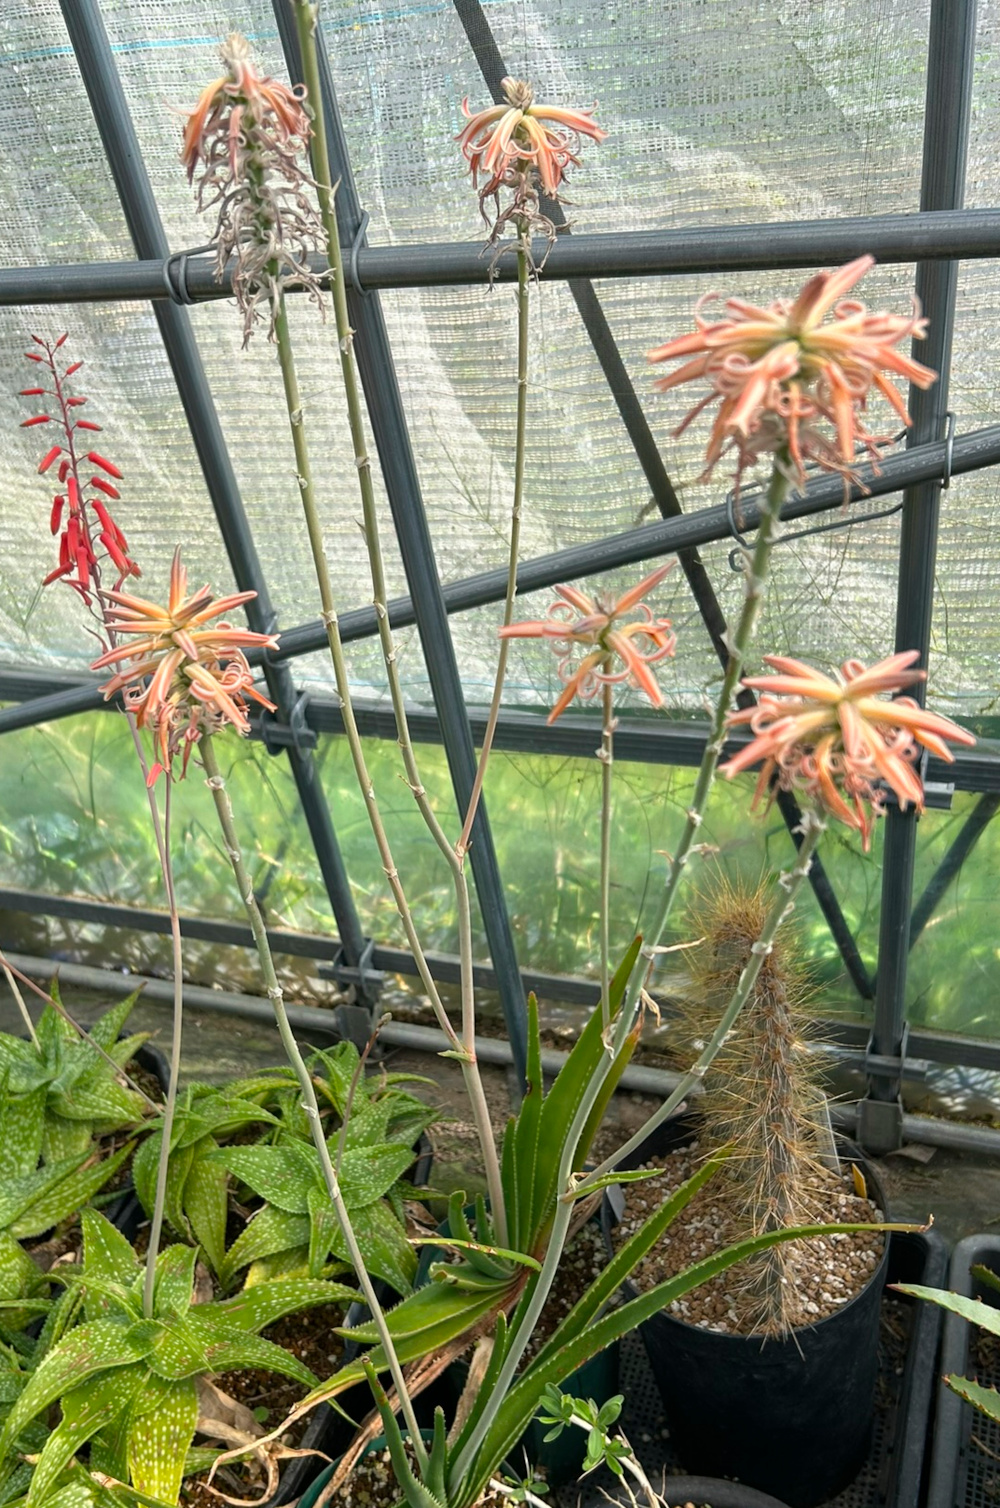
point(713, 1491)
point(962, 1473)
point(791, 1417)
point(328, 1431)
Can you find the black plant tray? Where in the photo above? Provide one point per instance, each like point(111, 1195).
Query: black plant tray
point(892, 1475)
point(963, 1472)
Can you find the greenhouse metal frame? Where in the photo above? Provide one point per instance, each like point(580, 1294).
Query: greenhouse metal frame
point(935, 238)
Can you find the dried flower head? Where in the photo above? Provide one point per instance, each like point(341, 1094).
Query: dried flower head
point(182, 673)
point(89, 539)
point(522, 146)
point(780, 371)
point(834, 736)
point(576, 621)
point(244, 140)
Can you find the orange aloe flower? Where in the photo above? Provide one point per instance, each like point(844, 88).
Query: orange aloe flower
point(244, 139)
point(835, 737)
point(577, 619)
point(505, 142)
point(776, 371)
point(182, 674)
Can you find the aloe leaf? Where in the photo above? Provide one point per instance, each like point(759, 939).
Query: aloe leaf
point(231, 1347)
point(124, 1050)
point(106, 1031)
point(986, 1276)
point(63, 1138)
point(206, 1203)
point(85, 1410)
point(22, 1121)
point(383, 1242)
point(161, 1429)
point(323, 1228)
point(451, 1243)
point(415, 1492)
point(256, 1308)
point(281, 1175)
point(91, 1348)
point(65, 1195)
point(609, 1180)
point(527, 1127)
point(984, 1400)
point(974, 1310)
point(271, 1230)
point(102, 1104)
point(368, 1173)
point(485, 1391)
point(174, 1281)
point(144, 1170)
point(19, 1275)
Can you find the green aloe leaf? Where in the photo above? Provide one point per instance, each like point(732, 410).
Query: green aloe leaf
point(206, 1204)
point(271, 1230)
point(110, 1026)
point(383, 1242)
point(174, 1281)
point(106, 1252)
point(161, 1429)
point(985, 1400)
point(63, 1138)
point(324, 1228)
point(180, 1350)
point(19, 1275)
point(231, 1347)
point(281, 1175)
point(256, 1308)
point(985, 1276)
point(125, 1049)
point(103, 1103)
point(65, 1194)
point(366, 1174)
point(975, 1310)
point(85, 1410)
point(22, 1121)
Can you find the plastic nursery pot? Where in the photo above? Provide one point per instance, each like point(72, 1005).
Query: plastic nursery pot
point(791, 1417)
point(311, 1495)
point(712, 1491)
point(962, 1471)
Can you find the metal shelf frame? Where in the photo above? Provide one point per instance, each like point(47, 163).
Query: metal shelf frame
point(933, 239)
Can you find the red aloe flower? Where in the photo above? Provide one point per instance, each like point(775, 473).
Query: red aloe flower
point(247, 134)
point(834, 737)
point(578, 620)
point(90, 538)
point(776, 371)
point(182, 674)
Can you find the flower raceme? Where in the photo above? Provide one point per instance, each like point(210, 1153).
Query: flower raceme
point(244, 139)
point(504, 142)
point(836, 738)
point(778, 372)
point(89, 538)
point(576, 621)
point(182, 673)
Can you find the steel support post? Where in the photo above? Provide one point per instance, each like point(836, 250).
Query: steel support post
point(100, 76)
point(399, 472)
point(965, 841)
point(950, 59)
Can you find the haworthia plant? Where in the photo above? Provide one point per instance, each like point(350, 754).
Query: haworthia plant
point(126, 1384)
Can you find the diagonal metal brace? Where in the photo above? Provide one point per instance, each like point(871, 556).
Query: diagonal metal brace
point(296, 734)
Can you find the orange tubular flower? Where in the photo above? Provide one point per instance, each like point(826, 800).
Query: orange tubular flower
point(182, 674)
point(597, 627)
point(776, 371)
point(835, 738)
point(521, 134)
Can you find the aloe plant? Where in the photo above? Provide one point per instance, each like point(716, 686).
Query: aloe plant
point(985, 1400)
point(76, 1079)
point(128, 1384)
point(197, 1189)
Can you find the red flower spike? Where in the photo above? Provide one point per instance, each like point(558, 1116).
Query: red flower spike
point(105, 487)
point(61, 340)
point(120, 560)
point(83, 566)
point(48, 458)
point(39, 341)
point(75, 402)
point(74, 494)
point(63, 470)
point(108, 466)
point(61, 570)
point(58, 503)
point(86, 424)
point(103, 514)
point(72, 535)
point(74, 368)
point(38, 419)
point(32, 392)
point(32, 356)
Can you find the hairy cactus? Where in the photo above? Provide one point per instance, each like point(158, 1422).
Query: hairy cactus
point(761, 1094)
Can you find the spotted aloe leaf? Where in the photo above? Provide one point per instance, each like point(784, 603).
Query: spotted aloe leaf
point(256, 1308)
point(62, 1197)
point(65, 1138)
point(383, 1241)
point(22, 1121)
point(99, 1101)
point(106, 1252)
point(230, 1347)
point(206, 1203)
point(20, 1278)
point(85, 1410)
point(180, 1351)
point(92, 1348)
point(174, 1281)
point(161, 1428)
point(270, 1231)
point(106, 1031)
point(366, 1174)
point(281, 1175)
point(324, 1228)
point(144, 1168)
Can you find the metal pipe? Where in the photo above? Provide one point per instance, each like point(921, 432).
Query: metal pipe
point(971, 234)
point(971, 452)
point(89, 39)
point(965, 840)
point(399, 472)
point(950, 66)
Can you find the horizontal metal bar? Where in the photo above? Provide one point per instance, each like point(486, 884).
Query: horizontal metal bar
point(972, 452)
point(639, 739)
point(929, 236)
point(846, 1036)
